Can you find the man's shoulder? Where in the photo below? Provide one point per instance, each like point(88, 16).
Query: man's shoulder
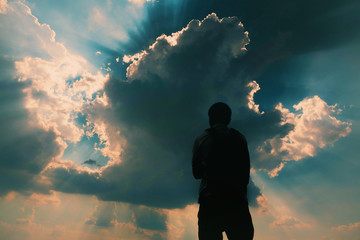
point(199, 140)
point(203, 136)
point(238, 134)
point(209, 132)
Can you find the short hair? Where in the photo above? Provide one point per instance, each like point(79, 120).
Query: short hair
point(219, 113)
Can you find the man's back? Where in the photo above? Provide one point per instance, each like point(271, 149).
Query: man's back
point(221, 161)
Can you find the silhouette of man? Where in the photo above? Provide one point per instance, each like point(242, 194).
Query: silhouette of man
point(221, 160)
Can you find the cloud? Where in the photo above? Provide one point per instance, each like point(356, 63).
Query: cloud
point(9, 231)
point(59, 85)
point(34, 202)
point(148, 223)
point(4, 7)
point(348, 231)
point(289, 222)
point(20, 24)
point(146, 122)
point(39, 111)
point(99, 23)
point(36, 199)
point(256, 198)
point(201, 43)
point(352, 226)
point(262, 204)
point(25, 150)
point(91, 162)
point(314, 129)
point(285, 36)
point(31, 203)
point(139, 2)
point(158, 111)
point(254, 88)
point(104, 215)
point(58, 88)
point(182, 223)
point(65, 218)
point(50, 99)
point(149, 218)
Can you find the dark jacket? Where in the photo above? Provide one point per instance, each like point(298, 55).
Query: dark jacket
point(221, 160)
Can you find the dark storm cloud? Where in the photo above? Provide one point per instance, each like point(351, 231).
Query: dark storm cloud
point(253, 193)
point(104, 216)
point(162, 107)
point(278, 30)
point(158, 181)
point(162, 104)
point(107, 214)
point(149, 218)
point(25, 150)
point(289, 26)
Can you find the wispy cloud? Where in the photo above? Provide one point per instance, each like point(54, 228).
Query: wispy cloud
point(351, 226)
point(289, 222)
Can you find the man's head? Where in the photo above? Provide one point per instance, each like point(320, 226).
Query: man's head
point(219, 113)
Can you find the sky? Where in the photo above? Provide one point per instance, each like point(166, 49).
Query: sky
point(100, 103)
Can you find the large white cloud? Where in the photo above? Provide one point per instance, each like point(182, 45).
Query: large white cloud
point(61, 84)
point(315, 127)
point(219, 40)
point(54, 86)
point(158, 111)
point(4, 7)
point(51, 99)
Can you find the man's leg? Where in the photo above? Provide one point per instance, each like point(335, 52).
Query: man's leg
point(210, 227)
point(239, 224)
point(240, 232)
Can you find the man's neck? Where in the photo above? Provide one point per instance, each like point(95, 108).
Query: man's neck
point(219, 125)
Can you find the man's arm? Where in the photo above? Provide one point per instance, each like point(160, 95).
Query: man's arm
point(244, 162)
point(197, 167)
point(247, 162)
